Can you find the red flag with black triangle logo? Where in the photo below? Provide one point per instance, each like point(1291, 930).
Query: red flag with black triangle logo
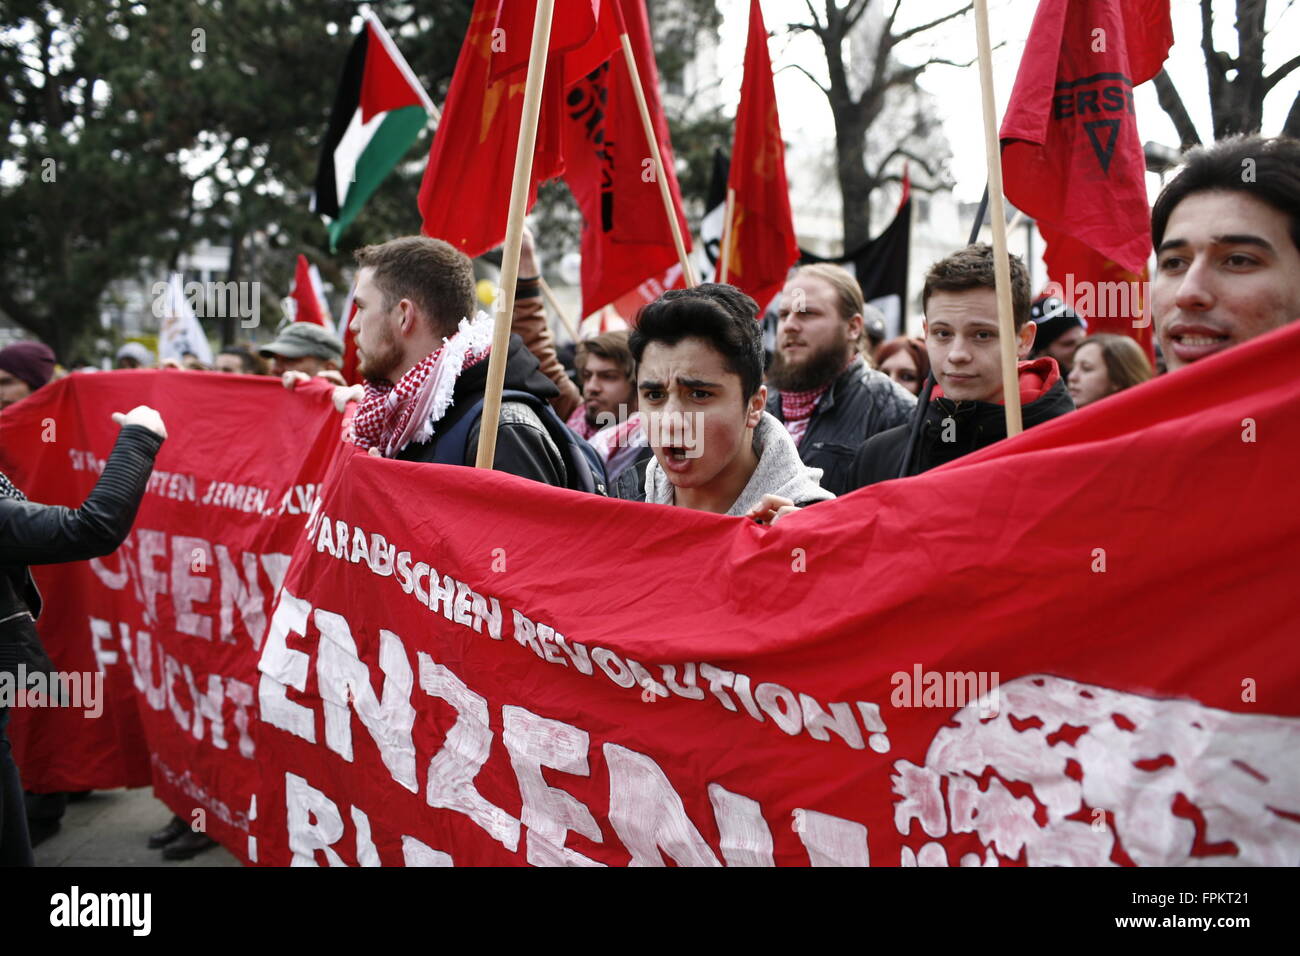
point(1071, 155)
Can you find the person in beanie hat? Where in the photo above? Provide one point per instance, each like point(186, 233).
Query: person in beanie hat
point(1060, 330)
point(24, 367)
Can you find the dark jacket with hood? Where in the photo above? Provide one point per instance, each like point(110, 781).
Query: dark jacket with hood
point(524, 447)
point(974, 425)
point(862, 402)
point(32, 533)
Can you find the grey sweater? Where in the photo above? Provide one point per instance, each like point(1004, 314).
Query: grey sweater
point(779, 472)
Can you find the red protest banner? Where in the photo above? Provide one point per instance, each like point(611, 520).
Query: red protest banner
point(172, 621)
point(1050, 651)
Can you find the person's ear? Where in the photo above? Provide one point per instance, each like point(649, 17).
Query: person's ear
point(855, 329)
point(754, 411)
point(407, 317)
point(1026, 339)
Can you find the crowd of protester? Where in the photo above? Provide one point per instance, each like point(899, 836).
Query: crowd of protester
point(686, 409)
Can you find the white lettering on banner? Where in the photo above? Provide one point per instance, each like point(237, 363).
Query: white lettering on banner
point(832, 841)
point(315, 824)
point(454, 767)
point(344, 683)
point(189, 582)
point(645, 811)
point(208, 705)
point(791, 711)
point(1153, 765)
point(549, 813)
point(283, 668)
point(746, 837)
point(415, 853)
point(187, 588)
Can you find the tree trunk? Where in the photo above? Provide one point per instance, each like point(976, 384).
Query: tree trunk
point(855, 181)
point(232, 275)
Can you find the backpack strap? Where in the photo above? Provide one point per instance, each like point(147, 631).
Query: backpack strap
point(584, 470)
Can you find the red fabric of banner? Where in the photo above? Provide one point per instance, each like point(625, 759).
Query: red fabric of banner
point(1073, 647)
point(172, 621)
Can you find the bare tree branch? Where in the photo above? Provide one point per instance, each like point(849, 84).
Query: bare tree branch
point(853, 12)
point(1172, 104)
point(893, 15)
point(908, 34)
point(812, 12)
point(1281, 73)
point(1292, 125)
point(905, 153)
point(816, 82)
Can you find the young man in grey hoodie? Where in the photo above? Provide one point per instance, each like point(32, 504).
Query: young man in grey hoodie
point(699, 357)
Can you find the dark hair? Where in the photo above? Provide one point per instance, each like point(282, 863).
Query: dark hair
point(251, 363)
point(433, 274)
point(722, 315)
point(1275, 180)
point(612, 347)
point(972, 268)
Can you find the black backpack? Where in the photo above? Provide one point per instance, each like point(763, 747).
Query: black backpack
point(583, 469)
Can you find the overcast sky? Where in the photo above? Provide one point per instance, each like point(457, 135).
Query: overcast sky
point(804, 110)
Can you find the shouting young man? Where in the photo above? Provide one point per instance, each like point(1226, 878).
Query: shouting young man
point(699, 355)
point(961, 338)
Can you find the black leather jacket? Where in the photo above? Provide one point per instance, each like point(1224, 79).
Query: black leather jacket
point(32, 533)
point(862, 402)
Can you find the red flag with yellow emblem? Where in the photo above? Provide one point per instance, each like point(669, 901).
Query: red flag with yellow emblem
point(465, 193)
point(762, 238)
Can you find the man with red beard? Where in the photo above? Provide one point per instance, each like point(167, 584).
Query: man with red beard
point(824, 392)
point(423, 352)
point(1227, 237)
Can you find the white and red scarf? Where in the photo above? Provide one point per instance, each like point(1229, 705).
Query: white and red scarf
point(797, 409)
point(390, 417)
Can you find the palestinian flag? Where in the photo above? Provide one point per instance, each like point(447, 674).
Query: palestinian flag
point(378, 113)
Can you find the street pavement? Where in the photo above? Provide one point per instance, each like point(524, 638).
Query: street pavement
point(110, 827)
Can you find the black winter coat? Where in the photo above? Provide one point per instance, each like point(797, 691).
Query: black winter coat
point(524, 447)
point(32, 533)
point(862, 402)
point(974, 425)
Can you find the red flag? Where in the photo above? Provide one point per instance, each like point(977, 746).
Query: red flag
point(626, 238)
point(763, 245)
point(1071, 156)
point(465, 194)
point(307, 294)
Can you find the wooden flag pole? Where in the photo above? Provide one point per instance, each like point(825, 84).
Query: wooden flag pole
point(496, 377)
point(1001, 263)
point(558, 310)
point(728, 223)
point(688, 274)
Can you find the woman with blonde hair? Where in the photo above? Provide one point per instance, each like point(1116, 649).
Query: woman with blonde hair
point(1105, 364)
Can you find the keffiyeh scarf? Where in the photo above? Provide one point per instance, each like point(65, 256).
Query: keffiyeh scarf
point(797, 409)
point(390, 417)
